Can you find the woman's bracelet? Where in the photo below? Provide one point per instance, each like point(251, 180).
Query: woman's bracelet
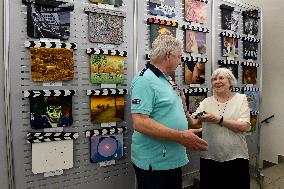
point(221, 121)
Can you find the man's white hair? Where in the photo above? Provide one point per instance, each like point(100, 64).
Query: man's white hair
point(164, 44)
point(227, 74)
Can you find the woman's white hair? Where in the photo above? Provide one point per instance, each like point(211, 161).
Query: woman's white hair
point(164, 44)
point(227, 74)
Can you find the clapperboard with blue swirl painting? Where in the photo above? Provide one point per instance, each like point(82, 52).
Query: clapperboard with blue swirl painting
point(106, 144)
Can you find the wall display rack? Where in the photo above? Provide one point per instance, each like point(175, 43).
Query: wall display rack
point(138, 25)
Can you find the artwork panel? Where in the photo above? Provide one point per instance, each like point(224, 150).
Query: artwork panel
point(249, 75)
point(50, 112)
point(106, 148)
point(250, 50)
point(158, 30)
point(193, 100)
point(253, 122)
point(105, 28)
point(230, 47)
point(47, 21)
point(107, 69)
point(162, 8)
point(195, 11)
point(52, 156)
point(253, 99)
point(52, 64)
point(226, 19)
point(250, 25)
point(105, 109)
point(194, 73)
point(195, 42)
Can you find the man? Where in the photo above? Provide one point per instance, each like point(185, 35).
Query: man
point(161, 135)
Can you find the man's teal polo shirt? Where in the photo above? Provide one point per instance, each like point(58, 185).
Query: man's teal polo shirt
point(152, 94)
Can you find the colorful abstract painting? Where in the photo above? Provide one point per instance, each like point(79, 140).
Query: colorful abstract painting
point(194, 73)
point(107, 69)
point(157, 30)
point(109, 108)
point(195, 11)
point(52, 64)
point(253, 99)
point(49, 112)
point(110, 2)
point(249, 75)
point(195, 42)
point(162, 8)
point(250, 50)
point(106, 148)
point(48, 20)
point(233, 67)
point(230, 47)
point(105, 28)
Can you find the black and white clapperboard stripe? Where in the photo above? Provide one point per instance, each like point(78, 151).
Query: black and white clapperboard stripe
point(251, 39)
point(36, 137)
point(106, 131)
point(250, 89)
point(195, 28)
point(105, 11)
point(236, 89)
point(37, 93)
point(253, 64)
point(228, 34)
point(194, 59)
point(106, 52)
point(228, 62)
point(204, 1)
point(104, 92)
point(39, 44)
point(251, 13)
point(195, 90)
point(254, 113)
point(147, 56)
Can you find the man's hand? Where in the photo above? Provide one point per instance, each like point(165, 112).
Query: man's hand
point(190, 140)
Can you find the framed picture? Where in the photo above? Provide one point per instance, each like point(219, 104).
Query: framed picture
point(194, 72)
point(110, 2)
point(52, 64)
point(230, 47)
point(249, 75)
point(250, 50)
point(106, 148)
point(253, 99)
point(48, 19)
point(50, 111)
point(253, 122)
point(195, 11)
point(107, 69)
point(233, 67)
point(195, 42)
point(158, 30)
point(162, 8)
point(105, 26)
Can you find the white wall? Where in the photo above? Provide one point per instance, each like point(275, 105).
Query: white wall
point(272, 134)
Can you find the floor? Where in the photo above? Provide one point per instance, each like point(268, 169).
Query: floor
point(273, 178)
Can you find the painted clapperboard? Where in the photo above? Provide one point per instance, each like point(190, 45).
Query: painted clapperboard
point(106, 144)
point(52, 152)
point(107, 66)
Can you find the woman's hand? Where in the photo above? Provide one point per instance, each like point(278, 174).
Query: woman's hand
point(208, 117)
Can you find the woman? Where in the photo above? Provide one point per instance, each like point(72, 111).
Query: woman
point(225, 121)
